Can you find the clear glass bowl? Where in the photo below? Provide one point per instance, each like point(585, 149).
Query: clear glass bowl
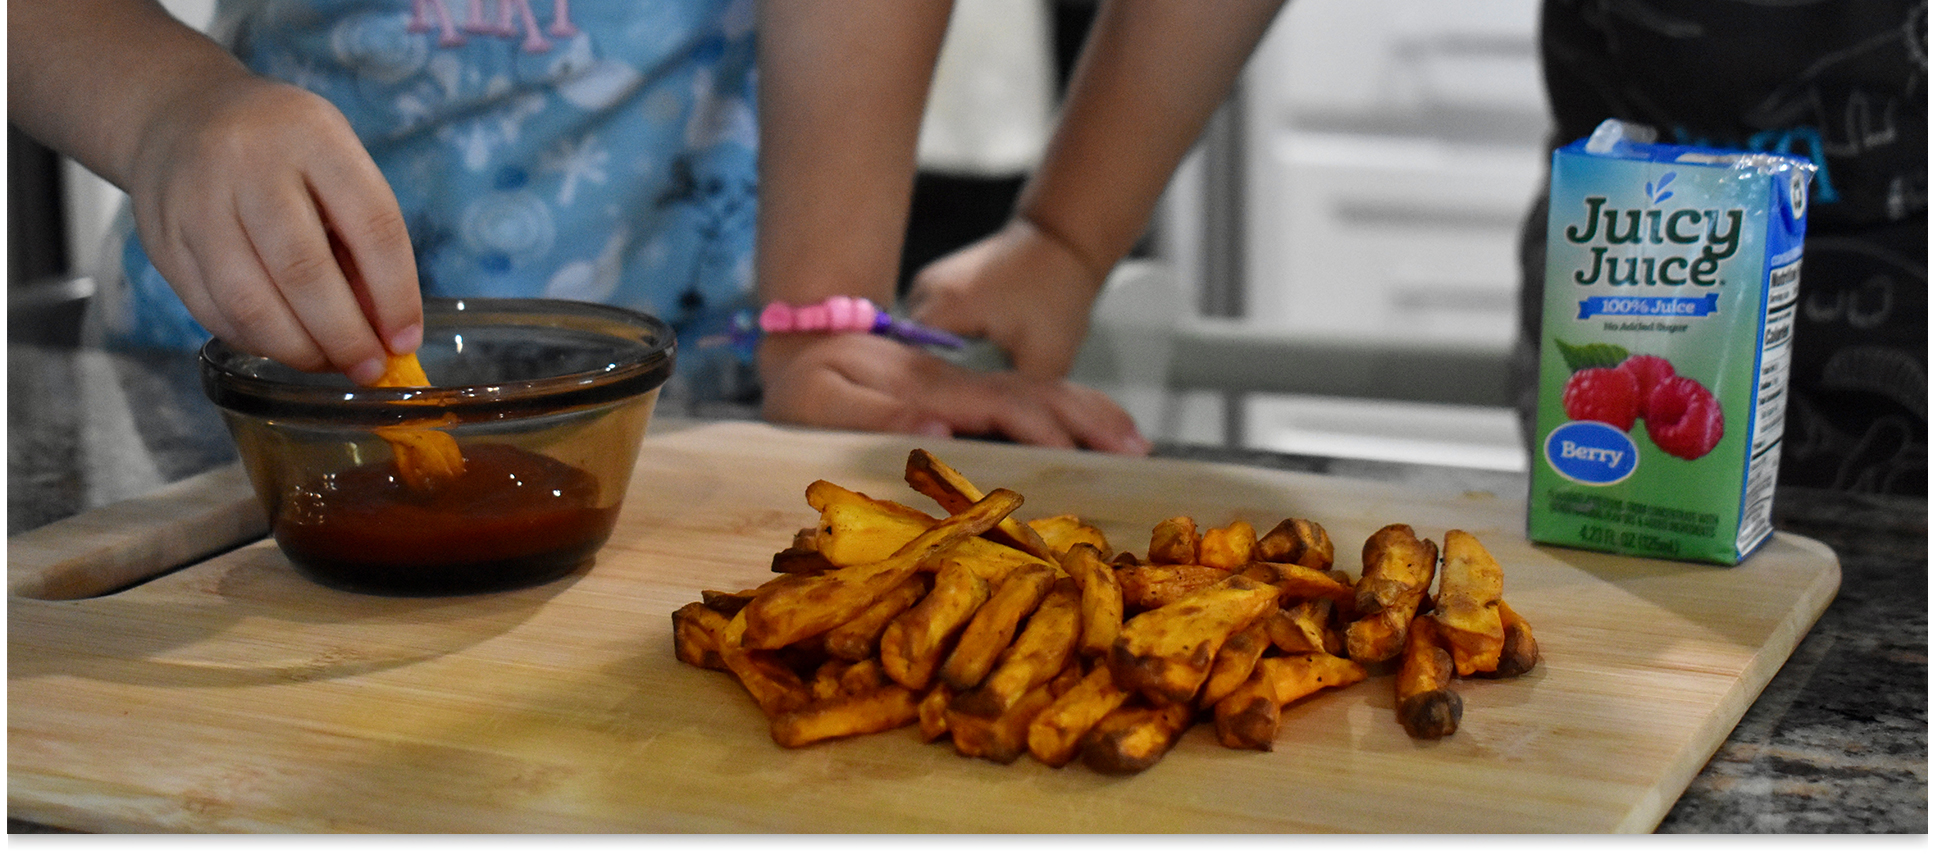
point(548, 401)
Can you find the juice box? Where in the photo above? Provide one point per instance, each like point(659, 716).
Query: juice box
point(1672, 274)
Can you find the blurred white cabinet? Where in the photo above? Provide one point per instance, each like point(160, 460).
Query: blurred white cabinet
point(1388, 151)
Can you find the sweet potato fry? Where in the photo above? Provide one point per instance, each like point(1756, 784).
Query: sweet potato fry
point(855, 528)
point(874, 711)
point(1470, 584)
point(772, 683)
point(933, 712)
point(1236, 659)
point(913, 644)
point(816, 603)
point(1174, 541)
point(1520, 652)
point(862, 676)
point(1001, 738)
point(1133, 737)
point(1063, 532)
point(1296, 582)
point(727, 603)
point(1055, 733)
point(993, 626)
point(857, 638)
point(1165, 653)
point(1301, 628)
point(1426, 705)
point(945, 485)
point(1152, 586)
point(1101, 598)
point(1231, 547)
point(1299, 541)
point(427, 457)
point(1250, 715)
point(693, 638)
point(825, 683)
point(1398, 567)
point(1038, 654)
point(1070, 675)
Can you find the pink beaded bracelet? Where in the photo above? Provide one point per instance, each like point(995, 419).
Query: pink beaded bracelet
point(851, 314)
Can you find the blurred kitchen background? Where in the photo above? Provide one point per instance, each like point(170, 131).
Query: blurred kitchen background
point(1332, 272)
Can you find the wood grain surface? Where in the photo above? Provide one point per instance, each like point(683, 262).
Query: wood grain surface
point(234, 695)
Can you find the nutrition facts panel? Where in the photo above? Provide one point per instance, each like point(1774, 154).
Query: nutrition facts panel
point(1770, 404)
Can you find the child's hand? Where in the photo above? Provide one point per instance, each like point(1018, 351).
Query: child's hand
point(866, 382)
point(258, 204)
point(1020, 288)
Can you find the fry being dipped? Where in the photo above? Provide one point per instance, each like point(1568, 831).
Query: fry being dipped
point(427, 457)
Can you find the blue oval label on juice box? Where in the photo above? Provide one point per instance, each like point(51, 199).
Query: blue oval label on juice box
point(1591, 453)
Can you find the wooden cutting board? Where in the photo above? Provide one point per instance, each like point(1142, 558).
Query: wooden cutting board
point(233, 695)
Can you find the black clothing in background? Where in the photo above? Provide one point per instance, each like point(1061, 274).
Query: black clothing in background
point(1842, 82)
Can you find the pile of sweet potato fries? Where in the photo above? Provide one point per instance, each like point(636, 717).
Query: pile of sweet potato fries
point(1012, 637)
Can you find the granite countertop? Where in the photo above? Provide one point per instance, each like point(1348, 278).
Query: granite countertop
point(1837, 742)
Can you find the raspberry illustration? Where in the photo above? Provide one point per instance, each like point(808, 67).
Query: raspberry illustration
point(1683, 418)
point(1649, 371)
point(1609, 395)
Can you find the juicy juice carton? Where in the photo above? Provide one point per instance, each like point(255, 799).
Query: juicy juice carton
point(1671, 281)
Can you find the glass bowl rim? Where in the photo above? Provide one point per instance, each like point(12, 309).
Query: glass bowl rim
point(248, 394)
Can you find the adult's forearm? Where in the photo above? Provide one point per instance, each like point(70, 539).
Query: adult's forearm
point(842, 84)
point(1147, 83)
point(87, 77)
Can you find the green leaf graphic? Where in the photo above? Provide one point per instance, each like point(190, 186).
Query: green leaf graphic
point(1579, 356)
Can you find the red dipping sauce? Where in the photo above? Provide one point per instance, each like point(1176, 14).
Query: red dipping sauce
point(514, 518)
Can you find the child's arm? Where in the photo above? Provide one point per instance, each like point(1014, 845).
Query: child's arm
point(254, 199)
point(1148, 81)
point(842, 89)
